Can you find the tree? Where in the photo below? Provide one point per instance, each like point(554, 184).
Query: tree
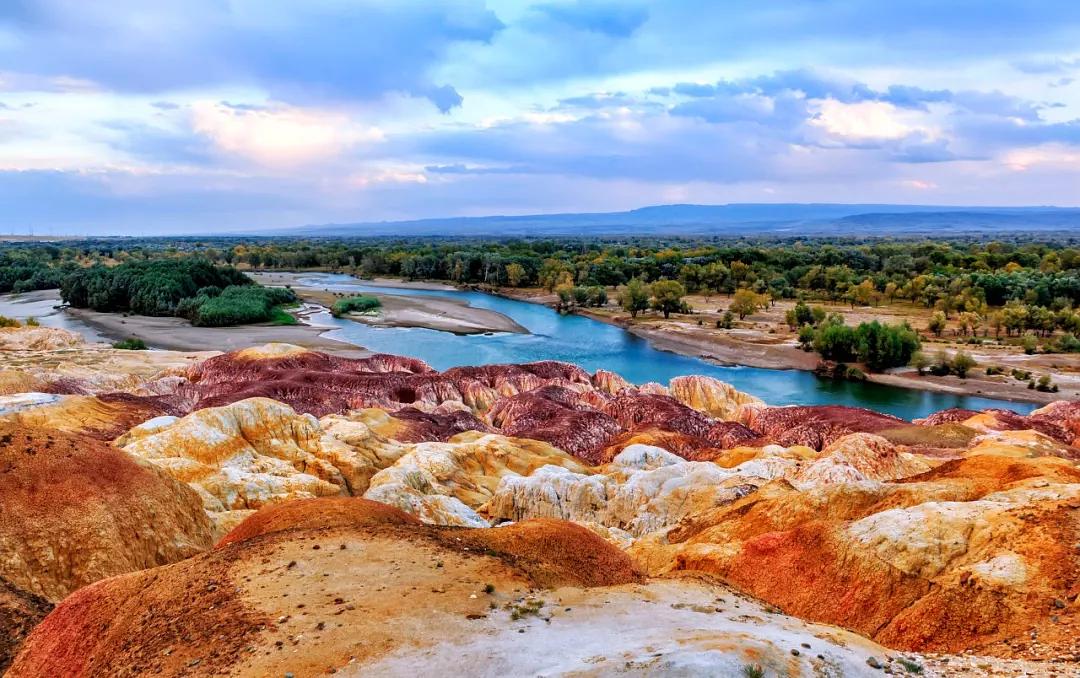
point(667, 297)
point(634, 297)
point(937, 323)
point(962, 363)
point(806, 338)
point(836, 341)
point(884, 346)
point(515, 274)
point(920, 362)
point(746, 302)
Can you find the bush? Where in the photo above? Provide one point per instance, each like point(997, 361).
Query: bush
point(1020, 375)
point(836, 342)
point(359, 304)
point(962, 363)
point(131, 344)
point(884, 346)
point(239, 305)
point(994, 370)
point(9, 322)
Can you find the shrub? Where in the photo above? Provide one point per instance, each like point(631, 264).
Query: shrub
point(32, 322)
point(1020, 375)
point(753, 671)
point(239, 305)
point(358, 304)
point(836, 342)
point(962, 363)
point(131, 344)
point(994, 370)
point(9, 322)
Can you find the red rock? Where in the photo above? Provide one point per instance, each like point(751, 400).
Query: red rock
point(814, 426)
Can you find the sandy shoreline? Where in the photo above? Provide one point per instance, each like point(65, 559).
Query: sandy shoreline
point(177, 334)
point(430, 312)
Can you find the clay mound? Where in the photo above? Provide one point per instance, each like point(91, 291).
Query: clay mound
point(551, 414)
point(103, 417)
point(953, 415)
point(1000, 472)
point(544, 370)
point(814, 426)
point(552, 552)
point(311, 514)
point(634, 411)
point(1007, 420)
point(20, 612)
point(76, 511)
point(410, 425)
point(1064, 413)
point(989, 541)
point(688, 447)
point(262, 605)
point(38, 339)
point(932, 439)
point(262, 362)
point(857, 457)
point(710, 396)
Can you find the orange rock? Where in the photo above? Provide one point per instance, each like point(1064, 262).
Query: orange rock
point(76, 510)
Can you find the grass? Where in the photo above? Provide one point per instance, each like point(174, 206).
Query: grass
point(9, 322)
point(753, 671)
point(279, 316)
point(131, 344)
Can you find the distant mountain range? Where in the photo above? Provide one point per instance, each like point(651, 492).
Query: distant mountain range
point(732, 220)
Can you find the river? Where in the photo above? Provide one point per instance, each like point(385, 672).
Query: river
point(594, 345)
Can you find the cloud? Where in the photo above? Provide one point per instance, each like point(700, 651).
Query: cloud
point(316, 51)
point(281, 136)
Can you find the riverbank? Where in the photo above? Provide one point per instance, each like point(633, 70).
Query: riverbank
point(430, 312)
point(177, 334)
point(765, 347)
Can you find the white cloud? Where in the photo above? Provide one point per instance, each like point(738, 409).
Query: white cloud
point(279, 136)
point(866, 120)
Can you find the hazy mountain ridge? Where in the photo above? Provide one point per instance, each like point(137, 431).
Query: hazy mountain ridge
point(730, 219)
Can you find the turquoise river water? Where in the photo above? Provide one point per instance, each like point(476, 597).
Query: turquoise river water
point(592, 345)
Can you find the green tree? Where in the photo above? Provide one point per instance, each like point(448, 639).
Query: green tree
point(667, 297)
point(920, 362)
point(962, 363)
point(634, 297)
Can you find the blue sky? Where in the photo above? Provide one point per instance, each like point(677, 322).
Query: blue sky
point(127, 116)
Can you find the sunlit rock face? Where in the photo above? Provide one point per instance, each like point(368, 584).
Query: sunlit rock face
point(222, 611)
point(103, 416)
point(990, 540)
point(241, 456)
point(1059, 420)
point(75, 510)
point(38, 339)
point(857, 457)
point(710, 396)
point(445, 483)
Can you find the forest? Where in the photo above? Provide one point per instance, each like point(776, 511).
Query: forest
point(1011, 285)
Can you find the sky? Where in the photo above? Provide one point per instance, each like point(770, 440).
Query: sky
point(204, 116)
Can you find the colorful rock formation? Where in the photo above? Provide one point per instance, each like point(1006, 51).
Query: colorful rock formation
point(536, 597)
point(76, 510)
